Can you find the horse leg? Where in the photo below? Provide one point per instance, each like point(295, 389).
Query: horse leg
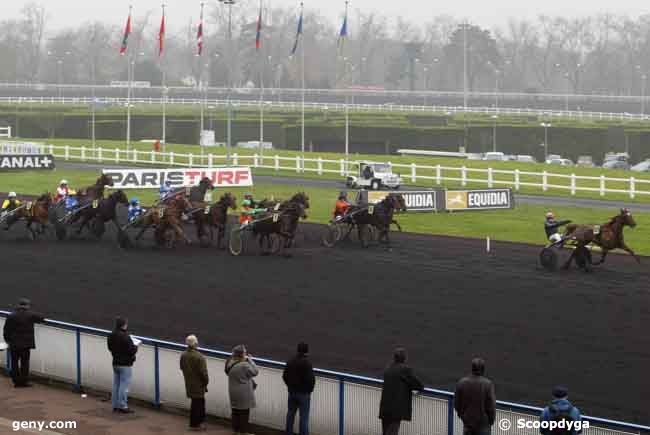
point(180, 234)
point(631, 252)
point(360, 229)
point(567, 265)
point(399, 228)
point(603, 255)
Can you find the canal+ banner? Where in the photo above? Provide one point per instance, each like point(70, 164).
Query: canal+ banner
point(239, 176)
point(479, 199)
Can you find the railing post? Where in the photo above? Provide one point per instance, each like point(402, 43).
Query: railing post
point(117, 155)
point(276, 162)
point(632, 187)
point(544, 181)
point(342, 166)
point(78, 348)
point(83, 153)
point(210, 161)
point(297, 164)
point(235, 159)
point(156, 356)
point(99, 154)
point(438, 175)
point(517, 179)
point(490, 178)
point(153, 157)
point(463, 176)
point(190, 157)
point(135, 155)
point(413, 173)
point(52, 149)
point(450, 415)
point(67, 152)
point(573, 184)
point(171, 157)
point(602, 185)
point(255, 157)
point(341, 407)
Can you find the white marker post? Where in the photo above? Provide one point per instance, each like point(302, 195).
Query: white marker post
point(487, 245)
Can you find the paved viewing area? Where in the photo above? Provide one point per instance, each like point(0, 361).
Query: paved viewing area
point(92, 414)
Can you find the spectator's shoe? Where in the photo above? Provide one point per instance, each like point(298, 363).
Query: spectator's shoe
point(125, 411)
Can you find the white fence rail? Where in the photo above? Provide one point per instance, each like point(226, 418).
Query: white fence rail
point(297, 106)
point(5, 132)
point(341, 404)
point(412, 174)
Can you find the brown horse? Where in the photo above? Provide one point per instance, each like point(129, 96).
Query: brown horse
point(215, 217)
point(168, 220)
point(608, 236)
point(36, 211)
point(96, 191)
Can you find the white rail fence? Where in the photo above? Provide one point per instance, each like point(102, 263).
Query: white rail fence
point(412, 174)
point(297, 106)
point(342, 404)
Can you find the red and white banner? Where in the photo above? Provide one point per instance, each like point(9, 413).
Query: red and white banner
point(153, 178)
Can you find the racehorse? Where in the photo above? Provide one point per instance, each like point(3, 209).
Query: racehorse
point(608, 236)
point(36, 211)
point(167, 218)
point(379, 216)
point(96, 191)
point(282, 220)
point(104, 212)
point(199, 206)
point(215, 217)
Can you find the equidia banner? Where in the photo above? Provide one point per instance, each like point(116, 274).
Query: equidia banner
point(153, 178)
point(26, 162)
point(485, 199)
point(424, 200)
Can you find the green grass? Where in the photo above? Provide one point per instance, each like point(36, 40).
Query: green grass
point(245, 157)
point(524, 224)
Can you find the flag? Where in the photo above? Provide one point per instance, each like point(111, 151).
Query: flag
point(298, 35)
point(258, 36)
point(343, 34)
point(199, 35)
point(125, 38)
point(161, 36)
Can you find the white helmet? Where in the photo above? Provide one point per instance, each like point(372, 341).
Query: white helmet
point(12, 194)
point(63, 182)
point(550, 215)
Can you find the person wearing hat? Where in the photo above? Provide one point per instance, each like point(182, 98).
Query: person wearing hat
point(195, 372)
point(560, 409)
point(165, 189)
point(299, 378)
point(551, 226)
point(241, 370)
point(8, 205)
point(18, 333)
point(342, 205)
point(63, 191)
point(249, 210)
point(123, 351)
point(135, 210)
point(475, 401)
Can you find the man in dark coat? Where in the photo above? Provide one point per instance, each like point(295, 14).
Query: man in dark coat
point(123, 350)
point(299, 377)
point(396, 395)
point(18, 333)
point(195, 373)
point(475, 401)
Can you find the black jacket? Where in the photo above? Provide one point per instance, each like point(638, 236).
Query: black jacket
point(475, 402)
point(396, 395)
point(298, 375)
point(551, 226)
point(19, 328)
point(122, 348)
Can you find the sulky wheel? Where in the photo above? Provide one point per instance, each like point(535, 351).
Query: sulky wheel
point(331, 235)
point(548, 259)
point(236, 244)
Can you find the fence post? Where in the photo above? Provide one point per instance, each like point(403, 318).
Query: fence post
point(602, 185)
point(52, 149)
point(153, 157)
point(517, 179)
point(342, 163)
point(190, 156)
point(463, 176)
point(210, 162)
point(156, 355)
point(78, 349)
point(490, 178)
point(450, 415)
point(135, 155)
point(276, 162)
point(544, 181)
point(438, 175)
point(99, 154)
point(67, 152)
point(413, 173)
point(297, 164)
point(255, 160)
point(117, 155)
point(573, 184)
point(171, 157)
point(235, 159)
point(320, 166)
point(632, 187)
point(341, 407)
point(83, 153)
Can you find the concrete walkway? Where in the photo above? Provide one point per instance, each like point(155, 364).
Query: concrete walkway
point(92, 415)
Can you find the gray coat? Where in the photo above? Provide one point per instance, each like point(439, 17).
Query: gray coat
point(240, 383)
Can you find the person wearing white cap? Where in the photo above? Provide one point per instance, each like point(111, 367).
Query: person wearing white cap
point(551, 226)
point(8, 205)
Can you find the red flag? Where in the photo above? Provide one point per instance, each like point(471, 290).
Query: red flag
point(161, 36)
point(258, 36)
point(125, 38)
point(199, 34)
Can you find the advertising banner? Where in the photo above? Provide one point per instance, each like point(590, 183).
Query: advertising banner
point(152, 178)
point(480, 199)
point(27, 162)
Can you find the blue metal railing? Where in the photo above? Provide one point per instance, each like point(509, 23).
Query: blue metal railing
point(342, 378)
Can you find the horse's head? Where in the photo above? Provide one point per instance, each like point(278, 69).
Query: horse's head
point(301, 198)
point(206, 184)
point(120, 197)
point(45, 199)
point(104, 180)
point(626, 217)
point(399, 203)
point(229, 200)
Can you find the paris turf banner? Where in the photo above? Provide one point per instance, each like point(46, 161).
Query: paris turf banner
point(26, 162)
point(129, 178)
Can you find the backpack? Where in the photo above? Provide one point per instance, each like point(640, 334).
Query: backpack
point(558, 415)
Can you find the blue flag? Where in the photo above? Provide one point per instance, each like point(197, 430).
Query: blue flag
point(298, 35)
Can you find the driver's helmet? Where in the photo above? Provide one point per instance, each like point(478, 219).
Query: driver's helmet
point(12, 195)
point(248, 196)
point(168, 183)
point(63, 183)
point(246, 202)
point(135, 201)
point(550, 215)
point(343, 195)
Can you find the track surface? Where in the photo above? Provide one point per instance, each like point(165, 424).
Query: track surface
point(333, 184)
point(445, 299)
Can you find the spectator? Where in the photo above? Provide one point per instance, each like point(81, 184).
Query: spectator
point(560, 409)
point(18, 333)
point(299, 377)
point(195, 372)
point(241, 370)
point(123, 350)
point(475, 401)
point(396, 395)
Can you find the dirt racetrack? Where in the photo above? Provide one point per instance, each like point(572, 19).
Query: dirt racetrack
point(445, 299)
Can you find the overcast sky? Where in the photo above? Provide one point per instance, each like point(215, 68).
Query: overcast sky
point(485, 13)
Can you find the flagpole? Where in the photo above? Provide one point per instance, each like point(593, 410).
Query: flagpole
point(302, 48)
point(128, 93)
point(260, 62)
point(164, 86)
point(201, 84)
point(347, 109)
point(93, 79)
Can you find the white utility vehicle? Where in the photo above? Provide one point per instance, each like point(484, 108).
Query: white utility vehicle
point(374, 176)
